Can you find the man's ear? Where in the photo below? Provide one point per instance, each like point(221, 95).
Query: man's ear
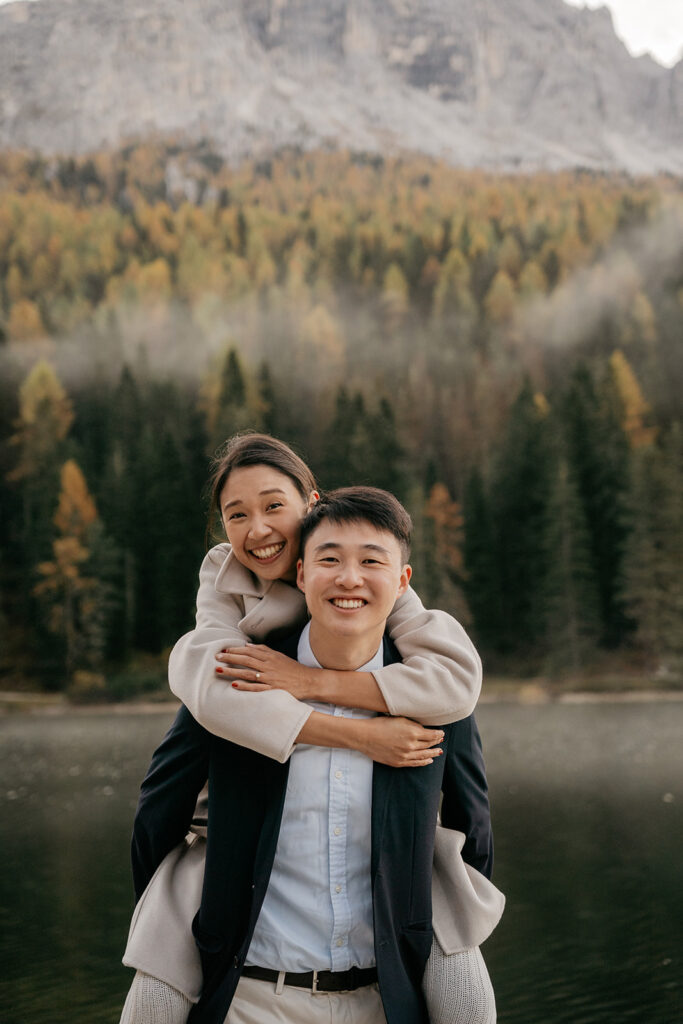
point(300, 575)
point(404, 579)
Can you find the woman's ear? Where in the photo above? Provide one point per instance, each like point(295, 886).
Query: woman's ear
point(312, 498)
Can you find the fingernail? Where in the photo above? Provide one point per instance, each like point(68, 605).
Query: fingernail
point(220, 669)
point(235, 686)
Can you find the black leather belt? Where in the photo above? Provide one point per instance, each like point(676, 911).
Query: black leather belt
point(318, 981)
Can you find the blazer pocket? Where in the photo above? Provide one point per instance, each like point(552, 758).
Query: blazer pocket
point(416, 945)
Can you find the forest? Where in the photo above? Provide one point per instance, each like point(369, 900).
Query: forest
point(503, 352)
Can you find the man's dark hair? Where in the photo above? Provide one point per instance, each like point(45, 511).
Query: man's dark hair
point(361, 505)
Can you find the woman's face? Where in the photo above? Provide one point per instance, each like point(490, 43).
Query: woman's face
point(262, 512)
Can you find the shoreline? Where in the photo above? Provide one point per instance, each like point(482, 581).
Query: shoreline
point(51, 705)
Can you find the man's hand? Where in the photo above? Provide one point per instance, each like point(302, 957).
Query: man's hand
point(257, 667)
point(399, 742)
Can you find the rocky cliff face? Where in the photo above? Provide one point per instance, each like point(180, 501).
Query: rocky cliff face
point(508, 84)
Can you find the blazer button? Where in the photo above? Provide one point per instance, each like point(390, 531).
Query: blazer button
point(236, 962)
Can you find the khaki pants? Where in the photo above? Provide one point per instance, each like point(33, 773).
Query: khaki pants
point(264, 1002)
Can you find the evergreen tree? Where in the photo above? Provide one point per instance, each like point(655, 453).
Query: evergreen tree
point(228, 406)
point(599, 461)
point(570, 591)
point(269, 412)
point(482, 582)
point(521, 490)
point(654, 555)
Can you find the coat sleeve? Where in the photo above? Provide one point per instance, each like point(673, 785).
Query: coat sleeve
point(267, 722)
point(439, 679)
point(168, 796)
point(465, 804)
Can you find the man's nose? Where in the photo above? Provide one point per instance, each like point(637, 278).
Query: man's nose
point(349, 576)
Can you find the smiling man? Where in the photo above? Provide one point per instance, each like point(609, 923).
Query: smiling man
point(316, 903)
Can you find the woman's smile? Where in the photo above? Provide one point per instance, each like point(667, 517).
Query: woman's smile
point(267, 553)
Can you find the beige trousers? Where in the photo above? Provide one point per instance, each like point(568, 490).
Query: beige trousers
point(263, 1002)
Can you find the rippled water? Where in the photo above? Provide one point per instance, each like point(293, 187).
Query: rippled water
point(588, 815)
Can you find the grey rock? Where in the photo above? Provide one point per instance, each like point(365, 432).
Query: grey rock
point(501, 84)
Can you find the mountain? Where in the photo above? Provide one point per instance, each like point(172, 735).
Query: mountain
point(504, 84)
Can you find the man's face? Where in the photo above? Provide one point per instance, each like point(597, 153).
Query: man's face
point(351, 575)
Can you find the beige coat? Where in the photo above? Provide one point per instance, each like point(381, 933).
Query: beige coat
point(438, 681)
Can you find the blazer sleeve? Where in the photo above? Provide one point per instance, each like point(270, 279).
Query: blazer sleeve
point(439, 679)
point(168, 795)
point(465, 804)
point(267, 722)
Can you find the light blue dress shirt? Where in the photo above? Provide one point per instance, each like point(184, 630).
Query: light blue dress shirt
point(317, 913)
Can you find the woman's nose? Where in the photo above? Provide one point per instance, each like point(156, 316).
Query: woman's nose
point(259, 528)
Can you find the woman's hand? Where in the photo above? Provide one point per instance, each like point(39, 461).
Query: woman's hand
point(399, 742)
point(257, 667)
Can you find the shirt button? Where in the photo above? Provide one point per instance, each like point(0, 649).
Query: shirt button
point(337, 888)
point(337, 831)
point(338, 775)
point(340, 942)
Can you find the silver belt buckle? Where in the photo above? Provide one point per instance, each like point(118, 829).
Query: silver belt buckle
point(314, 986)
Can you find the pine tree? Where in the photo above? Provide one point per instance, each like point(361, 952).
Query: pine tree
point(654, 554)
point(570, 589)
point(521, 490)
point(598, 455)
point(482, 580)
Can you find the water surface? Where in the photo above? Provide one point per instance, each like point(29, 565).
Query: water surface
point(588, 818)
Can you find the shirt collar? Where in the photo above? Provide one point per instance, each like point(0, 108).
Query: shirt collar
point(306, 656)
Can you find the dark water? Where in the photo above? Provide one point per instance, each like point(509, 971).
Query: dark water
point(588, 814)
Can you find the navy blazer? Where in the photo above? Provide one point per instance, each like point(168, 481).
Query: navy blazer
point(246, 799)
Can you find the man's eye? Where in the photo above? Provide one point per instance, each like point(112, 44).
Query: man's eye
point(371, 561)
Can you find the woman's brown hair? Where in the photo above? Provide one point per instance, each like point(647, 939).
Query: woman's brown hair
point(257, 450)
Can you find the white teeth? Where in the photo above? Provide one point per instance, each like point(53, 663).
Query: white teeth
point(268, 552)
point(345, 602)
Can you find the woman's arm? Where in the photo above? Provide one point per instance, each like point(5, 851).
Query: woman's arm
point(268, 723)
point(438, 680)
point(397, 742)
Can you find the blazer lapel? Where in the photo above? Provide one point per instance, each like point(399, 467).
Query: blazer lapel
point(382, 782)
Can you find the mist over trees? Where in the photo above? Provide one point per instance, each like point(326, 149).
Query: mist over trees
point(504, 353)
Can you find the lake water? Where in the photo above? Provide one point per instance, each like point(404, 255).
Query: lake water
point(588, 816)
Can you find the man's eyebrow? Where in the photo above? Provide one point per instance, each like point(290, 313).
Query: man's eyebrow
point(240, 501)
point(333, 545)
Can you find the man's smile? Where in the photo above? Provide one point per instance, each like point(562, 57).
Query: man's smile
point(346, 603)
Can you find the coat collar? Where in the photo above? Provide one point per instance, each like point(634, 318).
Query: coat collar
point(235, 578)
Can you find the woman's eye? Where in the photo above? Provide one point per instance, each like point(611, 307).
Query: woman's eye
point(235, 515)
point(273, 505)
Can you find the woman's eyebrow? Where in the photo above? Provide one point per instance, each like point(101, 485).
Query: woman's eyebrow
point(240, 501)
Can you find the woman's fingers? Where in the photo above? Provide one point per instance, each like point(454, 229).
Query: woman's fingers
point(254, 687)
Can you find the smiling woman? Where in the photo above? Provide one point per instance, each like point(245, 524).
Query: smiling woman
point(262, 511)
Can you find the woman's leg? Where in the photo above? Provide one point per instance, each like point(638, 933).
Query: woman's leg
point(457, 988)
point(151, 1001)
